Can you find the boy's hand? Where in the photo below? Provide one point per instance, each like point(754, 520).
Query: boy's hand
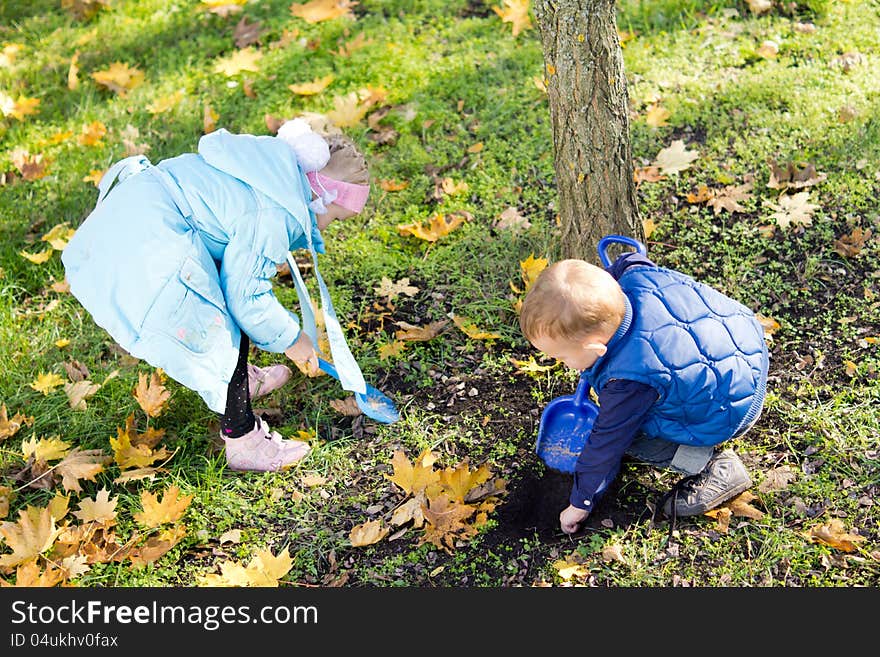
point(571, 518)
point(302, 353)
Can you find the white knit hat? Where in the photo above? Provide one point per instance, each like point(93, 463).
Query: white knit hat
point(312, 151)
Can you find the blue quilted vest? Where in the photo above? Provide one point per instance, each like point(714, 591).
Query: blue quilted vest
point(702, 351)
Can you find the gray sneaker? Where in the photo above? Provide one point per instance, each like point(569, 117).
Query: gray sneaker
point(724, 477)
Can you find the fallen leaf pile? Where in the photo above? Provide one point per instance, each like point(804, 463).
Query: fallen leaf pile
point(448, 505)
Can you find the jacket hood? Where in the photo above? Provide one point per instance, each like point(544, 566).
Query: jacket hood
point(268, 165)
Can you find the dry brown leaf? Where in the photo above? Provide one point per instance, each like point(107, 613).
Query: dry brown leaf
point(850, 246)
point(675, 158)
point(511, 218)
point(392, 290)
point(81, 464)
point(347, 406)
point(393, 185)
point(794, 175)
point(6, 495)
point(10, 426)
point(411, 333)
point(31, 167)
point(777, 479)
point(78, 392)
point(367, 533)
point(613, 552)
point(137, 474)
point(156, 546)
point(30, 575)
point(209, 119)
point(729, 198)
point(834, 535)
point(151, 394)
point(795, 209)
point(246, 34)
point(409, 510)
point(740, 506)
point(445, 522)
point(647, 174)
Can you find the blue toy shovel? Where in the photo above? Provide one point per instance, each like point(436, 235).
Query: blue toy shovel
point(567, 421)
point(374, 403)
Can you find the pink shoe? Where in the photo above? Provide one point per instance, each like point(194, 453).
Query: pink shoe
point(263, 450)
point(263, 380)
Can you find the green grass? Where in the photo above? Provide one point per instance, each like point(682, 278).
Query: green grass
point(455, 76)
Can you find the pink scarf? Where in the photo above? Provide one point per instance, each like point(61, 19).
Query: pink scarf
point(329, 190)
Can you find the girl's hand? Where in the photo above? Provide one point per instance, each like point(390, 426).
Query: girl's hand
point(303, 354)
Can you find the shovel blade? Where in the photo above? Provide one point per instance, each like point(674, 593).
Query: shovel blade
point(563, 432)
point(377, 406)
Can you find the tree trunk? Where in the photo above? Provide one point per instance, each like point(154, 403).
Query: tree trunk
point(589, 113)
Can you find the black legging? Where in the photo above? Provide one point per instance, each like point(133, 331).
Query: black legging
point(239, 417)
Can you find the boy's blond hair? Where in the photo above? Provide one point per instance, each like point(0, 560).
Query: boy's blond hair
point(572, 299)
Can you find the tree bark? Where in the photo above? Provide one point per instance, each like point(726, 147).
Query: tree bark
point(589, 114)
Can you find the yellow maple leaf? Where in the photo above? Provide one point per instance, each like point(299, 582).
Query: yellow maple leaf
point(515, 12)
point(10, 426)
point(390, 349)
point(37, 258)
point(156, 513)
point(34, 533)
point(530, 268)
point(150, 394)
point(412, 478)
point(367, 533)
point(460, 480)
point(530, 367)
point(166, 103)
point(439, 226)
point(316, 11)
point(46, 383)
point(23, 107)
point(675, 157)
point(94, 176)
point(244, 59)
point(656, 116)
point(453, 188)
point(59, 236)
point(312, 88)
point(393, 185)
point(91, 134)
point(130, 455)
point(264, 570)
point(348, 110)
point(101, 509)
point(120, 78)
point(570, 568)
point(29, 574)
point(45, 449)
point(471, 329)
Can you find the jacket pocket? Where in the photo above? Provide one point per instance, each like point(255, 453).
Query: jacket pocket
point(190, 309)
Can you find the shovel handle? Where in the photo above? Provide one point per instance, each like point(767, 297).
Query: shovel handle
point(582, 392)
point(602, 246)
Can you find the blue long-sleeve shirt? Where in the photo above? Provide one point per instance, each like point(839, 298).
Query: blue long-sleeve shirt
point(623, 405)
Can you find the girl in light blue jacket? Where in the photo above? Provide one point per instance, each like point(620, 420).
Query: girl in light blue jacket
point(176, 260)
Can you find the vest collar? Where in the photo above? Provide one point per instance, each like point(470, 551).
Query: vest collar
point(614, 342)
